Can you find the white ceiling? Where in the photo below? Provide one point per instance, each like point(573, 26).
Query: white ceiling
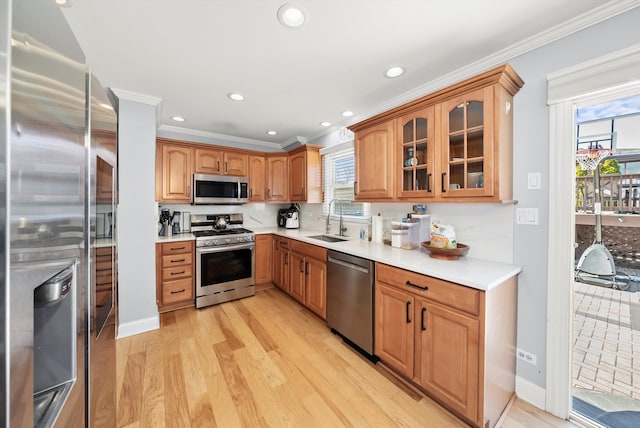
point(191, 53)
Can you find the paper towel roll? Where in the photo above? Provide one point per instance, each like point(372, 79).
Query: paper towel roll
point(376, 228)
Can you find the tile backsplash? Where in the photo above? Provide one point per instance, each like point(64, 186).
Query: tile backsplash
point(488, 229)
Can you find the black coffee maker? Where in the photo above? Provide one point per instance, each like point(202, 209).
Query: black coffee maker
point(282, 217)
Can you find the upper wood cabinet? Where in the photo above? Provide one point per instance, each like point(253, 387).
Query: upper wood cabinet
point(174, 172)
point(415, 153)
point(257, 184)
point(277, 178)
point(305, 174)
point(375, 162)
point(453, 145)
point(219, 162)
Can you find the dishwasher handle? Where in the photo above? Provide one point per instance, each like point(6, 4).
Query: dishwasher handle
point(347, 264)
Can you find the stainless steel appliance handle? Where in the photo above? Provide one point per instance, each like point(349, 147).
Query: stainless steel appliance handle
point(222, 248)
point(347, 264)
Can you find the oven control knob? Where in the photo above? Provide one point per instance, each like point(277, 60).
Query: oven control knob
point(227, 240)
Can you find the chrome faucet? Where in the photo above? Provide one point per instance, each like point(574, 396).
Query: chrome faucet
point(342, 229)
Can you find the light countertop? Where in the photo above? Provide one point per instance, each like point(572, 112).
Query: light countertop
point(472, 272)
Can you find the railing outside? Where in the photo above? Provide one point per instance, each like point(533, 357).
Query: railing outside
point(618, 192)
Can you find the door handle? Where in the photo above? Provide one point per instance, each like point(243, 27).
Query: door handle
point(408, 305)
point(218, 167)
point(429, 182)
point(225, 167)
point(422, 327)
point(443, 188)
point(306, 269)
point(301, 266)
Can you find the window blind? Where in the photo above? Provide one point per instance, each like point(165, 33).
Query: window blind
point(338, 168)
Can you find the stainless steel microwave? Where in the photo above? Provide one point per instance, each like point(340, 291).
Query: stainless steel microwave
point(220, 189)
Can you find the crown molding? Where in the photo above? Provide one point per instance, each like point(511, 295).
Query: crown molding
point(123, 94)
point(219, 137)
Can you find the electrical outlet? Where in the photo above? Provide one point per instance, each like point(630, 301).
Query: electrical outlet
point(526, 356)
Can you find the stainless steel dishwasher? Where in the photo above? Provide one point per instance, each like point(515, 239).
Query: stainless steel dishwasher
point(350, 296)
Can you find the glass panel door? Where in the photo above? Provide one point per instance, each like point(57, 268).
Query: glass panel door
point(416, 153)
point(466, 146)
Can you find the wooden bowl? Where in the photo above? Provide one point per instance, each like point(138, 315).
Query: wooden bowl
point(446, 253)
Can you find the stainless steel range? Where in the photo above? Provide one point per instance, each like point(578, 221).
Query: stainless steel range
point(225, 258)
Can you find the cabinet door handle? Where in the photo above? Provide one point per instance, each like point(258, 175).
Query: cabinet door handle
point(408, 305)
point(178, 261)
point(218, 167)
point(178, 273)
point(422, 327)
point(301, 266)
point(177, 248)
point(306, 268)
point(286, 259)
point(179, 291)
point(251, 193)
point(421, 287)
point(355, 187)
point(443, 188)
point(225, 167)
point(268, 193)
point(429, 182)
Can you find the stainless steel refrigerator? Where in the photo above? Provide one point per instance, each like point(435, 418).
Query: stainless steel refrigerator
point(49, 315)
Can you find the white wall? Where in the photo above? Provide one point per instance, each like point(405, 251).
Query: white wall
point(137, 309)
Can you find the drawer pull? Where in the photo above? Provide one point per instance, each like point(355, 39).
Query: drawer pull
point(407, 310)
point(177, 248)
point(179, 291)
point(421, 287)
point(178, 261)
point(422, 327)
point(178, 273)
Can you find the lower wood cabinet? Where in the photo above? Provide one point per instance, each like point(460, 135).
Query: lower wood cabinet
point(264, 263)
point(281, 263)
point(308, 276)
point(455, 343)
point(175, 275)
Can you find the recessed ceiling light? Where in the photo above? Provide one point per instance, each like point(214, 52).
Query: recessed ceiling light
point(272, 132)
point(325, 123)
point(291, 16)
point(178, 118)
point(394, 71)
point(347, 113)
point(235, 96)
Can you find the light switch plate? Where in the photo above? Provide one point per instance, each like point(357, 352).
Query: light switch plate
point(527, 216)
point(534, 181)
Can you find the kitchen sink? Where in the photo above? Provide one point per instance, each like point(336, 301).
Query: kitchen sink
point(327, 238)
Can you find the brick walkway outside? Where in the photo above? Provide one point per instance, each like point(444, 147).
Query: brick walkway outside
point(606, 351)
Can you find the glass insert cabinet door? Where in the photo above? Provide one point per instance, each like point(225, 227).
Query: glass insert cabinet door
point(468, 147)
point(416, 140)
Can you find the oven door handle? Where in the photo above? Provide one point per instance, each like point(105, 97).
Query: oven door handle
point(222, 248)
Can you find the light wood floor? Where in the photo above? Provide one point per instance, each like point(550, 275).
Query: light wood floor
point(266, 361)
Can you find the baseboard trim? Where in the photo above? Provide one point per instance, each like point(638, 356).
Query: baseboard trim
point(138, 326)
point(531, 393)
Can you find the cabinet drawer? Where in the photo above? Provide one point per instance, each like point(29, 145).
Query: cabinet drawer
point(104, 251)
point(453, 295)
point(176, 272)
point(177, 247)
point(176, 291)
point(177, 260)
point(310, 250)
